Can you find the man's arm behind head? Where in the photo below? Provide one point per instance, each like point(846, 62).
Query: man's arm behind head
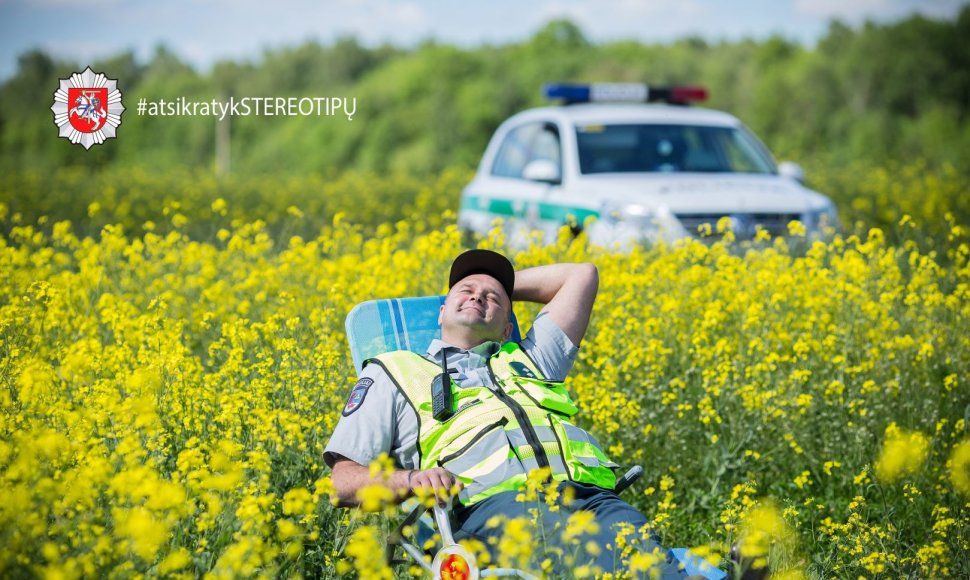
point(567, 290)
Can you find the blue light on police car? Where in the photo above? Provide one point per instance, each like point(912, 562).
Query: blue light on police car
point(598, 92)
point(568, 93)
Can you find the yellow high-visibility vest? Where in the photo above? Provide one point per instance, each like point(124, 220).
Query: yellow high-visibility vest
point(494, 438)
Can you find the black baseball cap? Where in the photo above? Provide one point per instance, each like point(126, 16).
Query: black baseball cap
point(483, 262)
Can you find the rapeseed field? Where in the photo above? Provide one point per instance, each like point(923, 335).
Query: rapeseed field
point(166, 393)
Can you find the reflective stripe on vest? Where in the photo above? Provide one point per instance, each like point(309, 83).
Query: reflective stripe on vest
point(520, 426)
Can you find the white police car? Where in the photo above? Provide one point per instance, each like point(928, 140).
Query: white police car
point(646, 172)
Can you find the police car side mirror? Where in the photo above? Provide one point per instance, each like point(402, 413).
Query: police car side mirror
point(792, 171)
point(542, 170)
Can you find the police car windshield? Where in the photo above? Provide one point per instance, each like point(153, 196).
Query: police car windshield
point(670, 149)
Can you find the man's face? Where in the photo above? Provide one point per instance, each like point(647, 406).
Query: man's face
point(478, 307)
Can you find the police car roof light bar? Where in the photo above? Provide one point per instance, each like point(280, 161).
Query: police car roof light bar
point(622, 92)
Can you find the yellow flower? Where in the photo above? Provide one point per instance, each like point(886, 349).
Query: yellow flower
point(647, 562)
point(287, 529)
point(478, 550)
point(796, 229)
point(382, 467)
point(903, 453)
point(579, 523)
point(516, 546)
point(959, 466)
point(762, 527)
point(298, 501)
point(219, 206)
point(365, 550)
point(141, 531)
point(177, 560)
point(375, 497)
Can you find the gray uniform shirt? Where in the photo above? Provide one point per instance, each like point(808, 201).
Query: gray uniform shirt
point(383, 421)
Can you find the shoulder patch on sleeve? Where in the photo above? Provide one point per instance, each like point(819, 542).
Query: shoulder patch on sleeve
point(357, 395)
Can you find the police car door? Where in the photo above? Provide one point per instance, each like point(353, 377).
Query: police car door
point(526, 172)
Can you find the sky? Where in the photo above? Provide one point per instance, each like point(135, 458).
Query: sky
point(203, 32)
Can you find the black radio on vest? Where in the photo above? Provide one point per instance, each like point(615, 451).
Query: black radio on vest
point(441, 402)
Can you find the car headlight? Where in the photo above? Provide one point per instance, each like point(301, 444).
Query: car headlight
point(822, 219)
point(636, 221)
point(634, 212)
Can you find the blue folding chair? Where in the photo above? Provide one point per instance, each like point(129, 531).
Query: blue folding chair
point(378, 326)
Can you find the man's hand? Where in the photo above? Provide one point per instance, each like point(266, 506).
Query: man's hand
point(567, 290)
point(437, 480)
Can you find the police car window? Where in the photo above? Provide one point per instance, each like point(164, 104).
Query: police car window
point(744, 153)
point(668, 149)
point(524, 144)
point(546, 145)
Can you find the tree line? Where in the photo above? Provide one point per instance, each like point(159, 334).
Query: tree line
point(877, 92)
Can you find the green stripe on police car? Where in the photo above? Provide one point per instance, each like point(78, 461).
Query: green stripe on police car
point(504, 208)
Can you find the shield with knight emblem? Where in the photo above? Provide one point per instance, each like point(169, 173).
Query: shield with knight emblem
point(88, 108)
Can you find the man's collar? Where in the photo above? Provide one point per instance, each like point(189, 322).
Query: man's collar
point(485, 349)
point(436, 346)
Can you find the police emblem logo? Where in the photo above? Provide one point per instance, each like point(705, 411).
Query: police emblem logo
point(87, 108)
point(357, 395)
